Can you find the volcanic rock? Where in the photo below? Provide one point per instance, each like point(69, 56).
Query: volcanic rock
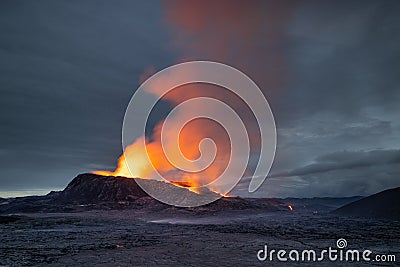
point(92, 188)
point(8, 219)
point(96, 192)
point(383, 205)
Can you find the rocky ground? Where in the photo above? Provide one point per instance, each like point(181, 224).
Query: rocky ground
point(131, 238)
point(110, 221)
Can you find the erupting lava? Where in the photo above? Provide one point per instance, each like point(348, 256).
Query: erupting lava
point(146, 158)
point(143, 157)
point(140, 167)
point(238, 24)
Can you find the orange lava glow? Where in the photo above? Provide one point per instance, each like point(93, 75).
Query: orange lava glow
point(290, 208)
point(215, 29)
point(141, 159)
point(136, 157)
point(187, 185)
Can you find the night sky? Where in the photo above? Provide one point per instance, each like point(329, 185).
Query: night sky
point(330, 71)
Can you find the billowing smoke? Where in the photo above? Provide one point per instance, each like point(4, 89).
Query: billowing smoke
point(249, 35)
point(245, 35)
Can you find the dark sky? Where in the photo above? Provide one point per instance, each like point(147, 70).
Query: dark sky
point(69, 68)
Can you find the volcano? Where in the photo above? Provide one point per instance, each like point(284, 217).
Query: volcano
point(383, 205)
point(90, 191)
point(93, 188)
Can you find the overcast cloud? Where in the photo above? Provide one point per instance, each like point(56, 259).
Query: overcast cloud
point(69, 68)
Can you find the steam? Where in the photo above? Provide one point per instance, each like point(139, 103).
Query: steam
point(246, 35)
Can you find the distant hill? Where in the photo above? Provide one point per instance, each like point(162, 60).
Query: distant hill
point(383, 205)
point(318, 204)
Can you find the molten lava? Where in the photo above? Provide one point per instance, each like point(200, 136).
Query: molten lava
point(143, 158)
point(188, 185)
point(183, 184)
point(134, 156)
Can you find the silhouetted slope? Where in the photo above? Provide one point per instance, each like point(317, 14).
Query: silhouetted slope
point(385, 205)
point(92, 188)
